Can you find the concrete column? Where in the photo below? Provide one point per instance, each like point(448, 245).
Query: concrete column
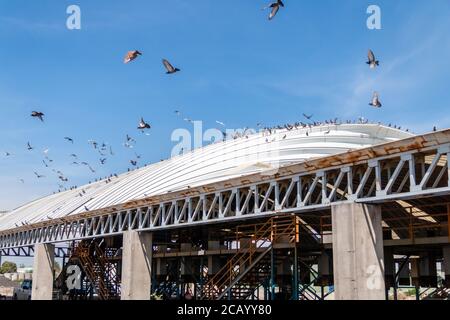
point(358, 261)
point(137, 265)
point(446, 265)
point(43, 272)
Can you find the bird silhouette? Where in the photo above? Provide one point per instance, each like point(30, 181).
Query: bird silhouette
point(131, 55)
point(69, 139)
point(29, 147)
point(170, 69)
point(375, 100)
point(373, 62)
point(275, 7)
point(143, 125)
point(38, 175)
point(38, 114)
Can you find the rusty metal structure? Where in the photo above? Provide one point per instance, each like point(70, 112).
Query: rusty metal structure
point(270, 235)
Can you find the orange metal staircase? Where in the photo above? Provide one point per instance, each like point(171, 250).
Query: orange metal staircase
point(98, 269)
point(245, 271)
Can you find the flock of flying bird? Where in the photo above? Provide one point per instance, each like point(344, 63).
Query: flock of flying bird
point(105, 150)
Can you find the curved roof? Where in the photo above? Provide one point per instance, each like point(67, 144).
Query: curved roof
point(213, 163)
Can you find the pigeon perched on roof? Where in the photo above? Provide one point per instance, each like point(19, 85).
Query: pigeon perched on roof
point(38, 114)
point(373, 62)
point(131, 55)
point(170, 69)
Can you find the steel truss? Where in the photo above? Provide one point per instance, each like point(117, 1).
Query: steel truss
point(28, 251)
point(418, 172)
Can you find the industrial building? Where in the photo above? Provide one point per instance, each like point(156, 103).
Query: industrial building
point(341, 211)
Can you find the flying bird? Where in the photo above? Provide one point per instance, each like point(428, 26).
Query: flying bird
point(21, 180)
point(143, 125)
point(308, 116)
point(131, 55)
point(275, 7)
point(102, 161)
point(221, 123)
point(373, 62)
point(7, 154)
point(375, 100)
point(29, 147)
point(69, 139)
point(38, 114)
point(127, 145)
point(94, 143)
point(170, 69)
point(111, 151)
point(133, 162)
point(39, 176)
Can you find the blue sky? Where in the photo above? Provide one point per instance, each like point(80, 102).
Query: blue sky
point(237, 67)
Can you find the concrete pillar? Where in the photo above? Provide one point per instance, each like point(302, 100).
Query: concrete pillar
point(446, 255)
point(43, 272)
point(358, 261)
point(137, 265)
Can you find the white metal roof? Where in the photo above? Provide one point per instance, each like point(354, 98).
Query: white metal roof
point(213, 163)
